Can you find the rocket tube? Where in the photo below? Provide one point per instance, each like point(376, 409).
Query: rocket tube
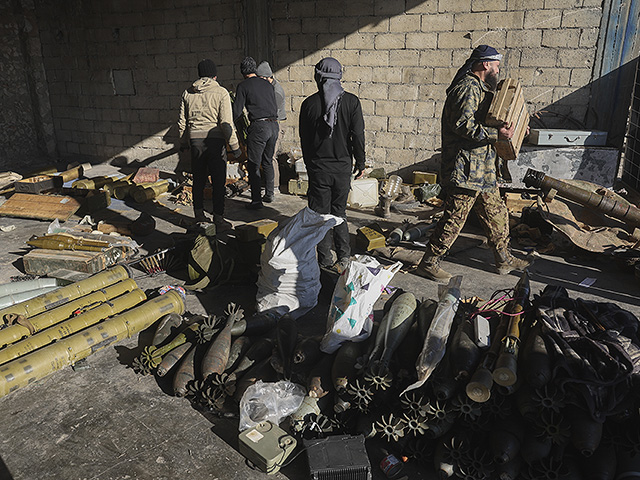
point(18, 297)
point(67, 293)
point(29, 285)
point(41, 363)
point(15, 332)
point(73, 325)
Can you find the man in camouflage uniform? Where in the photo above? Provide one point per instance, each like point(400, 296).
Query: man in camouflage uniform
point(470, 167)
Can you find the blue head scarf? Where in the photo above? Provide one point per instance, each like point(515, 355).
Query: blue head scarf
point(328, 73)
point(482, 53)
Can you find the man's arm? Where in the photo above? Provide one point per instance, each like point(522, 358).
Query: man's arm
point(356, 138)
point(239, 101)
point(226, 124)
point(464, 105)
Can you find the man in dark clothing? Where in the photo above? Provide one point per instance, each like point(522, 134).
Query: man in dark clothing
point(205, 126)
point(470, 167)
point(264, 71)
point(331, 132)
point(257, 95)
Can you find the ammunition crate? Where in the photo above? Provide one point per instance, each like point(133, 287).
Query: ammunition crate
point(424, 177)
point(298, 187)
point(257, 230)
point(369, 239)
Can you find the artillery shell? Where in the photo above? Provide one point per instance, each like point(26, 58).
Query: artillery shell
point(185, 373)
point(536, 362)
point(343, 370)
point(256, 353)
point(286, 336)
point(426, 312)
point(401, 316)
point(479, 387)
point(586, 433)
point(165, 325)
point(172, 358)
point(259, 324)
point(239, 347)
point(535, 448)
point(465, 354)
point(505, 443)
point(444, 384)
point(216, 358)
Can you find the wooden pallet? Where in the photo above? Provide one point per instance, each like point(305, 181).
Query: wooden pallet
point(508, 107)
point(41, 207)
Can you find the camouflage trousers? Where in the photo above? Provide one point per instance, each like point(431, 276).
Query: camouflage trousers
point(492, 213)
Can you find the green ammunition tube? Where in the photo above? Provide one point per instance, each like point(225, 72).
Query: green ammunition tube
point(15, 332)
point(142, 194)
point(67, 293)
point(41, 363)
point(73, 325)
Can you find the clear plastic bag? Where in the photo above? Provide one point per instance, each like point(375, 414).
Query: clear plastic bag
point(269, 401)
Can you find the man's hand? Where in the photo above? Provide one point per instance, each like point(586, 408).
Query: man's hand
point(505, 132)
point(358, 172)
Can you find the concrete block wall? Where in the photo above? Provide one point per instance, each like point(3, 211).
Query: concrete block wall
point(399, 57)
point(158, 44)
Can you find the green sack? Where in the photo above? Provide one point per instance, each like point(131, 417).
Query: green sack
point(211, 263)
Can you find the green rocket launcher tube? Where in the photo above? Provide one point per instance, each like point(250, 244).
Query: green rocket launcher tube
point(17, 331)
point(65, 294)
point(39, 364)
point(73, 325)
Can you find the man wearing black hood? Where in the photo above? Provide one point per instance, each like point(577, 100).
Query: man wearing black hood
point(331, 130)
point(470, 168)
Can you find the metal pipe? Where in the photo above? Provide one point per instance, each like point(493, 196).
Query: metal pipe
point(18, 287)
point(66, 293)
point(13, 298)
point(73, 325)
point(623, 211)
point(17, 331)
point(41, 363)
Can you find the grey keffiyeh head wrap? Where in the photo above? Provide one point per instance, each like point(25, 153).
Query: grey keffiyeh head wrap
point(482, 53)
point(327, 75)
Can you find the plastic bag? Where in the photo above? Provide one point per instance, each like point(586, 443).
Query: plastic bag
point(356, 291)
point(289, 280)
point(269, 401)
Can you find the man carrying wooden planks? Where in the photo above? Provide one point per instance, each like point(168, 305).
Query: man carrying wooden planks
point(470, 167)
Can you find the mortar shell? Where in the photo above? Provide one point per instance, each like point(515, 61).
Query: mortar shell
point(239, 347)
point(72, 325)
point(186, 373)
point(172, 358)
point(43, 320)
point(67, 293)
point(39, 364)
point(256, 353)
point(165, 325)
point(217, 356)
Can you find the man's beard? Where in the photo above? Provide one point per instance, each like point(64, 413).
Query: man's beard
point(491, 79)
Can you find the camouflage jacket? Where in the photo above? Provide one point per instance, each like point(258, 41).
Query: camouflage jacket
point(469, 159)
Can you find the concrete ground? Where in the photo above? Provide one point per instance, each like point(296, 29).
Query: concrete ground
point(103, 421)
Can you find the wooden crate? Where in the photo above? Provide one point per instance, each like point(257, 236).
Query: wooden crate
point(508, 107)
point(41, 261)
point(37, 184)
point(41, 207)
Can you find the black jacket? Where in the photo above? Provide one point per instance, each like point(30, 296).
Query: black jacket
point(332, 154)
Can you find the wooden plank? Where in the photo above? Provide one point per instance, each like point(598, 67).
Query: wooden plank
point(41, 207)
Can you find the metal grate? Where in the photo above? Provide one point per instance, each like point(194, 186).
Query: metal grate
point(631, 173)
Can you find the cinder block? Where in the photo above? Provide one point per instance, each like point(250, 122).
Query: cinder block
point(386, 108)
point(330, 41)
point(343, 25)
point(539, 57)
point(361, 73)
point(303, 41)
point(495, 38)
point(428, 6)
point(566, 38)
point(386, 41)
point(488, 5)
point(389, 140)
point(347, 57)
point(525, 5)
point(435, 58)
point(315, 25)
point(375, 91)
point(302, 9)
point(403, 124)
point(507, 20)
point(403, 92)
point(453, 40)
point(552, 77)
point(589, 37)
point(542, 19)
point(420, 109)
point(422, 40)
point(405, 23)
point(375, 58)
point(580, 77)
point(454, 6)
point(470, 21)
point(359, 41)
point(538, 95)
point(389, 75)
point(373, 24)
point(357, 8)
point(443, 75)
point(299, 72)
point(289, 25)
point(574, 58)
point(400, 58)
point(442, 22)
point(524, 38)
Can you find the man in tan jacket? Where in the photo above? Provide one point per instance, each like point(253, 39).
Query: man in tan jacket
point(206, 126)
